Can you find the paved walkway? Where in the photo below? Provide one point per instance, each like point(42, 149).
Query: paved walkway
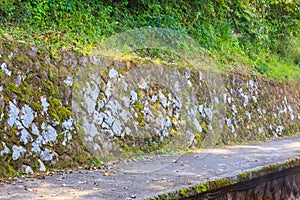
point(147, 178)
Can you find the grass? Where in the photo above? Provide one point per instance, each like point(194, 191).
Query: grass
point(262, 35)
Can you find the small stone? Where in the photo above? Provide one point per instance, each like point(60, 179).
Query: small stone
point(82, 182)
point(28, 189)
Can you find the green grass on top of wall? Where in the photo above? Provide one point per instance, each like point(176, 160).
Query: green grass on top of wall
point(261, 34)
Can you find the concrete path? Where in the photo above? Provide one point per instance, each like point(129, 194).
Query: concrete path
point(147, 178)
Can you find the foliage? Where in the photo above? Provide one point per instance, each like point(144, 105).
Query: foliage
point(231, 29)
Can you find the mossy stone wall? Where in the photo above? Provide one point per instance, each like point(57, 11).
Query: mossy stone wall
point(39, 129)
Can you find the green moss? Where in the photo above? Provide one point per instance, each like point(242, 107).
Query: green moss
point(183, 192)
point(22, 59)
point(201, 188)
point(6, 169)
point(268, 170)
point(1, 146)
point(14, 88)
point(13, 138)
point(220, 183)
point(138, 107)
point(52, 90)
point(36, 106)
point(57, 111)
point(25, 94)
point(204, 127)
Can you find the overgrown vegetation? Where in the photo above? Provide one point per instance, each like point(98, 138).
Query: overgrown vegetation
point(263, 34)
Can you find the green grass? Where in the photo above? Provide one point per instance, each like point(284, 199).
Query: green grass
point(262, 35)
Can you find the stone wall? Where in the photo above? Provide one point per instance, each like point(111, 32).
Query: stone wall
point(286, 187)
point(61, 109)
point(284, 184)
point(36, 125)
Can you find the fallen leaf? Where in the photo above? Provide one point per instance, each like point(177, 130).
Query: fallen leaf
point(6, 36)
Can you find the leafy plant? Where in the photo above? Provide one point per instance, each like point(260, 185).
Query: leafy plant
point(262, 69)
point(97, 162)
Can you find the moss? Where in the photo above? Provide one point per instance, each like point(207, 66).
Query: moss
point(138, 107)
point(82, 158)
point(183, 192)
point(22, 60)
point(201, 188)
point(204, 127)
point(1, 146)
point(57, 111)
point(50, 88)
point(36, 106)
point(24, 94)
point(13, 138)
point(14, 88)
point(244, 176)
point(220, 183)
point(268, 170)
point(6, 170)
